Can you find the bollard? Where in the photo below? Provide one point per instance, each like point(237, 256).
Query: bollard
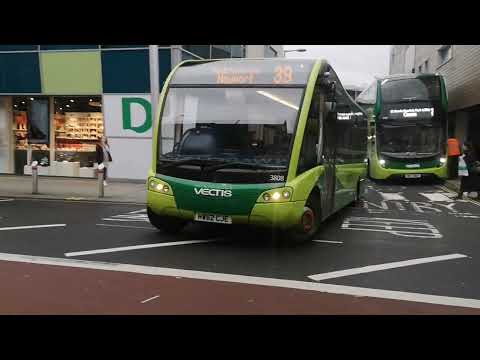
point(101, 189)
point(34, 177)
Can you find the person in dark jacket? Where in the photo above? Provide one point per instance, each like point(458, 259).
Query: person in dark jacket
point(103, 156)
point(470, 183)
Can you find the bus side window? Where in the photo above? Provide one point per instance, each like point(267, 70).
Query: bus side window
point(309, 151)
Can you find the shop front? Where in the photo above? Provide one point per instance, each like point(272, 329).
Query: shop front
point(70, 127)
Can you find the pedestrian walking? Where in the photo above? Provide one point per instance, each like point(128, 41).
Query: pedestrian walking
point(104, 156)
point(453, 156)
point(469, 171)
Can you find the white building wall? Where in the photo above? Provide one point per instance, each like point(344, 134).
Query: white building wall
point(6, 136)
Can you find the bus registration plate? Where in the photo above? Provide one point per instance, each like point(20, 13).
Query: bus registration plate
point(221, 219)
point(413, 176)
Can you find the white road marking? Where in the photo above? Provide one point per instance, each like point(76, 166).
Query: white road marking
point(125, 226)
point(393, 196)
point(138, 211)
point(399, 227)
point(31, 227)
point(379, 267)
point(147, 300)
point(126, 220)
point(5, 200)
point(243, 279)
point(135, 247)
point(329, 242)
point(437, 197)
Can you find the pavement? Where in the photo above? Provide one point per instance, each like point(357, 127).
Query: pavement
point(72, 189)
point(87, 189)
point(404, 249)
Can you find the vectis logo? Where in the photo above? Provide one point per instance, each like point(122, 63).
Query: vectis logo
point(213, 192)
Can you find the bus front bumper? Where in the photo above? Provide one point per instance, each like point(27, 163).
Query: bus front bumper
point(279, 215)
point(378, 172)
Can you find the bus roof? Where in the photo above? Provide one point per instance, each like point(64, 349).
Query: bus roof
point(270, 72)
point(406, 76)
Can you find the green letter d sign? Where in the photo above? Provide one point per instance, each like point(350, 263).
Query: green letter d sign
point(127, 114)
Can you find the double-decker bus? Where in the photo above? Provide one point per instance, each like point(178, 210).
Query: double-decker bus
point(272, 142)
point(407, 127)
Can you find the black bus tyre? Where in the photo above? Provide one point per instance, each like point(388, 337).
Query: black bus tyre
point(309, 223)
point(167, 224)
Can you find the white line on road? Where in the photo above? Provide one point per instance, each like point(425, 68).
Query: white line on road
point(243, 279)
point(329, 242)
point(392, 265)
point(31, 227)
point(437, 197)
point(127, 220)
point(393, 196)
point(147, 300)
point(4, 200)
point(129, 227)
point(135, 247)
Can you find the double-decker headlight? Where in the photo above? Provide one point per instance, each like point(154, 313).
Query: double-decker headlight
point(382, 162)
point(277, 195)
point(160, 186)
point(443, 160)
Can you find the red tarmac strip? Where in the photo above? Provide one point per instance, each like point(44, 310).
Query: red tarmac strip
point(46, 289)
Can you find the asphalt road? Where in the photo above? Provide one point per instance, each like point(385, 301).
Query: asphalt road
point(407, 248)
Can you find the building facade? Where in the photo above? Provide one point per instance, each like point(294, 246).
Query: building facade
point(460, 66)
point(80, 93)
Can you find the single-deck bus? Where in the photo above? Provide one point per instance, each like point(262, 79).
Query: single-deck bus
point(272, 142)
point(408, 126)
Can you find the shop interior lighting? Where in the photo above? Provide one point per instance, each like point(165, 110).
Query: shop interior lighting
point(23, 102)
point(71, 100)
point(67, 105)
point(32, 99)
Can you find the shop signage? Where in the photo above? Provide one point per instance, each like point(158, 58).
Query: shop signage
point(128, 115)
point(127, 104)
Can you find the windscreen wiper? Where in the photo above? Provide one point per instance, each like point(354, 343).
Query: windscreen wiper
point(239, 164)
point(192, 161)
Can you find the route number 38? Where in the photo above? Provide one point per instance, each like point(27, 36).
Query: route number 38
point(283, 74)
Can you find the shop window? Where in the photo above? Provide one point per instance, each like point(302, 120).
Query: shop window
point(19, 73)
point(18, 47)
point(221, 51)
point(125, 71)
point(164, 64)
point(22, 109)
point(123, 46)
point(201, 50)
point(68, 47)
point(78, 125)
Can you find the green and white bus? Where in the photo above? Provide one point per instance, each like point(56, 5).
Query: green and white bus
point(407, 127)
point(269, 142)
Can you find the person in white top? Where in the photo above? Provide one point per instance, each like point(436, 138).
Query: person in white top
point(104, 156)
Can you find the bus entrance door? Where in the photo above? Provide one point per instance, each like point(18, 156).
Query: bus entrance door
point(328, 160)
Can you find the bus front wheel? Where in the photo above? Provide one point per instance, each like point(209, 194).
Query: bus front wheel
point(168, 224)
point(309, 222)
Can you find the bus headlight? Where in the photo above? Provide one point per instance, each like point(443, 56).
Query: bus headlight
point(382, 162)
point(276, 195)
point(443, 160)
point(160, 186)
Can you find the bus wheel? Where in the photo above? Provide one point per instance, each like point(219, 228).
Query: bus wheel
point(309, 222)
point(168, 224)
